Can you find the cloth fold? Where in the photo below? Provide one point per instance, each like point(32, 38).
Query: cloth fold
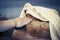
point(44, 14)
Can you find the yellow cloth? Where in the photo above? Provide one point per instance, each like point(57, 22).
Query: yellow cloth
point(45, 14)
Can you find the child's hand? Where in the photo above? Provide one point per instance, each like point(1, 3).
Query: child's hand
point(20, 22)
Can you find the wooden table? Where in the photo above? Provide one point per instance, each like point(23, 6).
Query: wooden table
point(23, 35)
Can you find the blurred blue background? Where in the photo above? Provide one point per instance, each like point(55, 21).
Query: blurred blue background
point(12, 8)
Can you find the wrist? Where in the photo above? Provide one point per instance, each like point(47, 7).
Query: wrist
point(18, 22)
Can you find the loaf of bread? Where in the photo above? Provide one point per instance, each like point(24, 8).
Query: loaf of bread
point(38, 28)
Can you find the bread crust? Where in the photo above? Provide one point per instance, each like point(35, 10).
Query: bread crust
point(38, 28)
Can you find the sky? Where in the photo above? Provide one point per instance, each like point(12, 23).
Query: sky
point(12, 8)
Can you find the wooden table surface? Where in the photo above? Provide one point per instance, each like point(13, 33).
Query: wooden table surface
point(23, 35)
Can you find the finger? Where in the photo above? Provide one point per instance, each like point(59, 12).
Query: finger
point(27, 20)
